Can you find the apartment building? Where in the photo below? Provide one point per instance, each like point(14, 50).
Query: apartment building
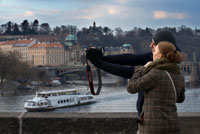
point(46, 54)
point(7, 46)
point(21, 46)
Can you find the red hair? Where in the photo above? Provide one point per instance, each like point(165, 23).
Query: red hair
point(168, 50)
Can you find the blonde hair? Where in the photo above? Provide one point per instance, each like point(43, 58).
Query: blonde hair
point(168, 50)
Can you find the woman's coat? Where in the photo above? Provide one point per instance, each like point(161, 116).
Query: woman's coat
point(159, 109)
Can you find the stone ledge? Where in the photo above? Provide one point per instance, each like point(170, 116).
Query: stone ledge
point(83, 123)
point(189, 114)
point(79, 115)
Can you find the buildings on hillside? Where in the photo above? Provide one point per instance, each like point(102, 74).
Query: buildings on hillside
point(22, 47)
point(7, 46)
point(45, 53)
point(40, 53)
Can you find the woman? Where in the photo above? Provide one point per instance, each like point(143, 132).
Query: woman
point(159, 114)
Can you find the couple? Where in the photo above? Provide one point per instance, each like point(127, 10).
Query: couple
point(159, 83)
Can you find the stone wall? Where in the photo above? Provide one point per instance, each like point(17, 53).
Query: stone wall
point(83, 123)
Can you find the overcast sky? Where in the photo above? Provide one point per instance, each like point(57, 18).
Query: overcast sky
point(126, 14)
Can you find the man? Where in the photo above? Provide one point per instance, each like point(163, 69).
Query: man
point(123, 64)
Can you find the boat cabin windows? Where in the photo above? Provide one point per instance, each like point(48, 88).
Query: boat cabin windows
point(42, 103)
point(65, 101)
point(83, 98)
point(34, 104)
point(31, 103)
point(65, 93)
point(86, 98)
point(90, 97)
point(46, 95)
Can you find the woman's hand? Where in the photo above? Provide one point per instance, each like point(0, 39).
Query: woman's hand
point(147, 63)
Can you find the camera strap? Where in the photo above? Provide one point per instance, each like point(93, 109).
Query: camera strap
point(90, 80)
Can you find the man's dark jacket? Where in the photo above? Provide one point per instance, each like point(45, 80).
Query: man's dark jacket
point(123, 65)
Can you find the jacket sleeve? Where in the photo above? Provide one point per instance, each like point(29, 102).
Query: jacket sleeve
point(115, 69)
point(139, 82)
point(181, 98)
point(129, 59)
point(181, 93)
point(119, 70)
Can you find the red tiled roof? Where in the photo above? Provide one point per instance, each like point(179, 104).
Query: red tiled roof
point(40, 38)
point(12, 42)
point(24, 41)
point(47, 45)
point(46, 38)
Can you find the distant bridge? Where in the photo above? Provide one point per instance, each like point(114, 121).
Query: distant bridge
point(69, 72)
point(187, 67)
point(60, 71)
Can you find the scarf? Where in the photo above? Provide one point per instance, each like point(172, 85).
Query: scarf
point(163, 64)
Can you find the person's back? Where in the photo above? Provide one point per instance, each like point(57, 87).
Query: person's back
point(163, 86)
point(159, 104)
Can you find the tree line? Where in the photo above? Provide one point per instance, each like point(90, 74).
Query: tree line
point(188, 39)
point(12, 69)
point(34, 28)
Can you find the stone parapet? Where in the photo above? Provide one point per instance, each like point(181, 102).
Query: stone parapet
point(83, 123)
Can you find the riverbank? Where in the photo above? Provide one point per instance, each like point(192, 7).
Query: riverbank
point(12, 90)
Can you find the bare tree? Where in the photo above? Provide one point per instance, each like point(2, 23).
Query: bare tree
point(23, 73)
point(8, 63)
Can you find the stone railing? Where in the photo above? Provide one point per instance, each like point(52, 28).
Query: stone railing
point(83, 123)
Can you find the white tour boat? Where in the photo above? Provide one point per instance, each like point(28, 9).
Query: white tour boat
point(46, 100)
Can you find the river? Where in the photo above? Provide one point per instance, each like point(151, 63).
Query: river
point(111, 99)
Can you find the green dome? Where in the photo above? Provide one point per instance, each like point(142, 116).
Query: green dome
point(71, 37)
point(126, 45)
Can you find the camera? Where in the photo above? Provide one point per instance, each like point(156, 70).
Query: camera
point(95, 50)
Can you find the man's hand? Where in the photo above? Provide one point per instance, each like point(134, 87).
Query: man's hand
point(94, 52)
point(94, 56)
